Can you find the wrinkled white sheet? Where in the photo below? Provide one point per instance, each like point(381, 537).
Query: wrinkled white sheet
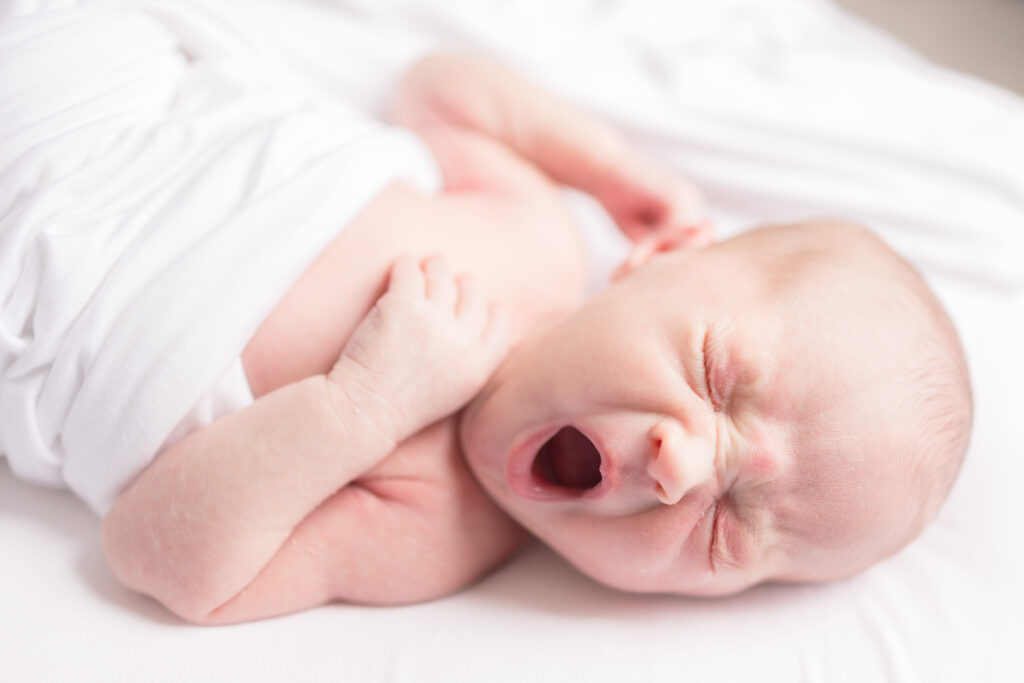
point(164, 184)
point(779, 110)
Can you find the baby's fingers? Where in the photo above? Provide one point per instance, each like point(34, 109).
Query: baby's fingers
point(696, 235)
point(406, 278)
point(488, 322)
point(440, 282)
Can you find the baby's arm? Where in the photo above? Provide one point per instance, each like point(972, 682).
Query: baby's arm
point(415, 528)
point(205, 519)
point(572, 147)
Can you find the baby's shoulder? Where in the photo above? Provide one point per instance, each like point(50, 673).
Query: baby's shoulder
point(471, 161)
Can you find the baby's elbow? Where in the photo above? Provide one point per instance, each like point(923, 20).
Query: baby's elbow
point(117, 545)
point(138, 565)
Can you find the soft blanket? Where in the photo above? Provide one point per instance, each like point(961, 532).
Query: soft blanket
point(162, 184)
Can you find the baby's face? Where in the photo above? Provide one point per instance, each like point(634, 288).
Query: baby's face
point(692, 430)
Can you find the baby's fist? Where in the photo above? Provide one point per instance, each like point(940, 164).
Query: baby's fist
point(424, 349)
point(645, 198)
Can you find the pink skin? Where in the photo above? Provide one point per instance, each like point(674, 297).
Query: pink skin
point(690, 376)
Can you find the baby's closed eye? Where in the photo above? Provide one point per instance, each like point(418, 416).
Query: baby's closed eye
point(715, 368)
point(734, 371)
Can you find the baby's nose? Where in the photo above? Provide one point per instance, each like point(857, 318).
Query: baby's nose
point(679, 461)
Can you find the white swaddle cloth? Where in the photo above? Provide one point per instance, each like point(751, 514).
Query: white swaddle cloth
point(162, 185)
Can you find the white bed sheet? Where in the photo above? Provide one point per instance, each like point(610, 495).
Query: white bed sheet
point(781, 112)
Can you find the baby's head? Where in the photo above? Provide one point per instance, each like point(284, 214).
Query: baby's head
point(792, 404)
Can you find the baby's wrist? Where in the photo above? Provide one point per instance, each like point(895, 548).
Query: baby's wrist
point(358, 397)
point(608, 169)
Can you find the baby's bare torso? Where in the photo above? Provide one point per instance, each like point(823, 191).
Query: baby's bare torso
point(524, 253)
point(511, 232)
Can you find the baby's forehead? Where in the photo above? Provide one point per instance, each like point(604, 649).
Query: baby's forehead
point(782, 259)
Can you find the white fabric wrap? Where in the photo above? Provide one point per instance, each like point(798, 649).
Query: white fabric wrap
point(162, 185)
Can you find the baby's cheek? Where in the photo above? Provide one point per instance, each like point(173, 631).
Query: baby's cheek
point(763, 467)
point(624, 553)
point(764, 462)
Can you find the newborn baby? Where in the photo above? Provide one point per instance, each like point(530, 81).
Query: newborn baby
point(789, 405)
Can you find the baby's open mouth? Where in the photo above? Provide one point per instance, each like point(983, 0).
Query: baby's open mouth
point(568, 460)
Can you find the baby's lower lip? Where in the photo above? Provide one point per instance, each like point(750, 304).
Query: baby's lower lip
point(525, 482)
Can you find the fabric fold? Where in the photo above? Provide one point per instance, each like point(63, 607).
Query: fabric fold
point(163, 187)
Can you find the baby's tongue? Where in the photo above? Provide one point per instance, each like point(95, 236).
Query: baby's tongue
point(575, 463)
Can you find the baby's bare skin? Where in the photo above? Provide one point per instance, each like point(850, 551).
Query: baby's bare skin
point(414, 525)
point(303, 497)
point(714, 419)
point(420, 507)
point(791, 404)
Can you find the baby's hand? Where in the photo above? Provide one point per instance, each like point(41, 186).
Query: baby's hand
point(424, 349)
point(645, 198)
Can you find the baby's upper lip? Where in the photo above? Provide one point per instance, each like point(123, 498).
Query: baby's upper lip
point(524, 481)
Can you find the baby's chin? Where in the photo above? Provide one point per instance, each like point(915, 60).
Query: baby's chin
point(697, 586)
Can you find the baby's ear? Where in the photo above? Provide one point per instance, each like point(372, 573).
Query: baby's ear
point(670, 238)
